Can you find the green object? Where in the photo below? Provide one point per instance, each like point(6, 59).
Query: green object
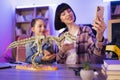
point(86, 66)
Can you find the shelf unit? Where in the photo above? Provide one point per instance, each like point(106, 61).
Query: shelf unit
point(113, 29)
point(115, 9)
point(114, 23)
point(23, 27)
point(24, 17)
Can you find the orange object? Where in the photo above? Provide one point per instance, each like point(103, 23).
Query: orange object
point(39, 68)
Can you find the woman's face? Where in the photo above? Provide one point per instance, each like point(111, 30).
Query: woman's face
point(67, 16)
point(39, 27)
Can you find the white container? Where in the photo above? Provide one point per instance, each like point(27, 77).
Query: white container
point(87, 74)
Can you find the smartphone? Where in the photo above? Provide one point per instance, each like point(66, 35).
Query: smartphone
point(99, 12)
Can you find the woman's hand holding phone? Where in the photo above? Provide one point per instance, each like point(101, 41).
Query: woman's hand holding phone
point(99, 25)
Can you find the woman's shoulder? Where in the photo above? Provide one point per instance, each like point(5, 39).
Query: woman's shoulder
point(65, 30)
point(85, 27)
point(88, 28)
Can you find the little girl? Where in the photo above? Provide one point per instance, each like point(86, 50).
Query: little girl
point(38, 28)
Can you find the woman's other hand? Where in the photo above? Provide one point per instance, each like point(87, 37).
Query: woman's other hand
point(66, 47)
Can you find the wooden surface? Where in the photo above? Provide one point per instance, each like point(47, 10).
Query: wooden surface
point(63, 73)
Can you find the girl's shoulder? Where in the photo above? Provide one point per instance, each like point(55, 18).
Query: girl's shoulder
point(83, 28)
point(30, 44)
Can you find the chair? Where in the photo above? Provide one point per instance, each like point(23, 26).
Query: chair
point(21, 51)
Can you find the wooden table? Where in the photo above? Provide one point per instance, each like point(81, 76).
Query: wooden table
point(64, 73)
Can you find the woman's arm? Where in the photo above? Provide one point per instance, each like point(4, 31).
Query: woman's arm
point(61, 57)
point(99, 26)
point(95, 46)
point(92, 46)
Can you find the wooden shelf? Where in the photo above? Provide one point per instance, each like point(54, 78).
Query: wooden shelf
point(114, 23)
point(24, 16)
point(115, 16)
point(113, 29)
point(115, 9)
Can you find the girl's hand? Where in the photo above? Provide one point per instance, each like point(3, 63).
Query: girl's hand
point(46, 53)
point(48, 56)
point(99, 27)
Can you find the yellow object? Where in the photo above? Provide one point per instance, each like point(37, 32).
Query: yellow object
point(113, 48)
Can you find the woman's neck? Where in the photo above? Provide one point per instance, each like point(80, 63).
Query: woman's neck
point(72, 28)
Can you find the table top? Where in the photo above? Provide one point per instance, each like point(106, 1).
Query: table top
point(65, 72)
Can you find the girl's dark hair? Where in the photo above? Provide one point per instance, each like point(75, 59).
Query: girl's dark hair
point(34, 21)
point(58, 24)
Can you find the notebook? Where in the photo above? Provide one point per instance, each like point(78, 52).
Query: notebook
point(112, 64)
point(5, 65)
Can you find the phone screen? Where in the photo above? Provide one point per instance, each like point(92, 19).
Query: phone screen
point(100, 12)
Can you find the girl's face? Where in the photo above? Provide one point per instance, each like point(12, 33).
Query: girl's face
point(39, 27)
point(67, 16)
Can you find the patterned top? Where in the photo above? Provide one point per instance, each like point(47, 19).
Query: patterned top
point(87, 48)
point(72, 55)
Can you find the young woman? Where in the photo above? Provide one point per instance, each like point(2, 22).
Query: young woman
point(38, 28)
point(89, 47)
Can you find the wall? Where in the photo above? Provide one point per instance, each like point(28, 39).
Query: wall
point(84, 9)
point(6, 27)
